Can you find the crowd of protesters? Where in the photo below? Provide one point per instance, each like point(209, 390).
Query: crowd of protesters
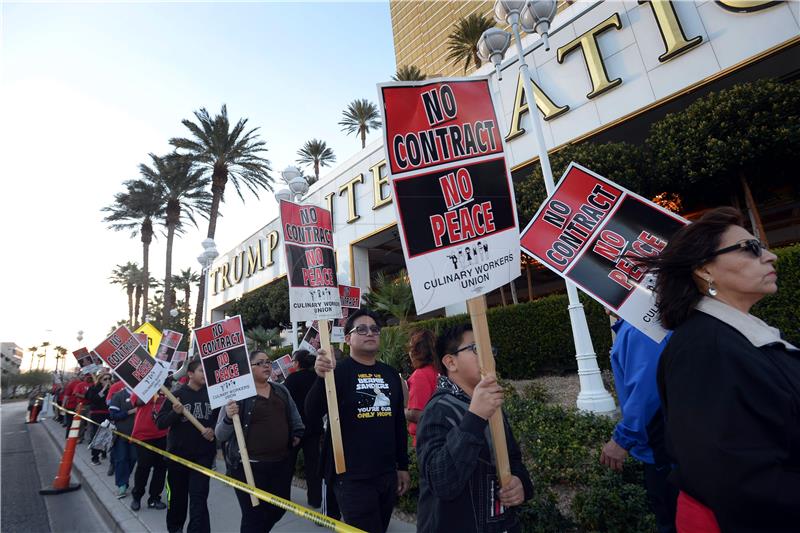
point(713, 412)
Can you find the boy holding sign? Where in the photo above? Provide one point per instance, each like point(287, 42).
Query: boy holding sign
point(459, 486)
point(374, 434)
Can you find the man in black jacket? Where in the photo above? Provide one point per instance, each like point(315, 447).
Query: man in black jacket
point(459, 489)
point(374, 434)
point(185, 441)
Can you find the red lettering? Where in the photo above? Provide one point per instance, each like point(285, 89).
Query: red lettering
point(449, 190)
point(621, 278)
point(223, 359)
point(630, 269)
point(438, 228)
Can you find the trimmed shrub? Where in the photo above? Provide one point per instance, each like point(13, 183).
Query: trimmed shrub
point(611, 503)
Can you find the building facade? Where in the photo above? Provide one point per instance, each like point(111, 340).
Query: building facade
point(614, 67)
point(10, 357)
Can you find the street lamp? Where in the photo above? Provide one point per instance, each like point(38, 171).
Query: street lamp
point(298, 187)
point(206, 259)
point(535, 17)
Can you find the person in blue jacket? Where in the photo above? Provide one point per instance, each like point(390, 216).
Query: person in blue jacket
point(640, 431)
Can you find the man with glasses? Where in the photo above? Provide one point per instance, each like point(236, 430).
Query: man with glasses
point(459, 488)
point(374, 434)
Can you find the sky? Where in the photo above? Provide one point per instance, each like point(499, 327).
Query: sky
point(87, 90)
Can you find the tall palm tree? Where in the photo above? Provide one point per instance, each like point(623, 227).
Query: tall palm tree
point(135, 210)
point(32, 349)
point(463, 42)
point(360, 117)
point(183, 192)
point(61, 353)
point(226, 153)
point(127, 275)
point(260, 338)
point(316, 152)
point(43, 356)
point(184, 282)
point(409, 73)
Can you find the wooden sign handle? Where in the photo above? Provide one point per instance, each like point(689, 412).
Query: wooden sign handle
point(189, 416)
point(480, 328)
point(248, 471)
point(333, 404)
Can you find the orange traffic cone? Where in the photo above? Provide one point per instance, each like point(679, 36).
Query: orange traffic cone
point(34, 413)
point(61, 483)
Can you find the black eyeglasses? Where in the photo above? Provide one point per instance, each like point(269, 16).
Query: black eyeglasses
point(754, 246)
point(265, 362)
point(474, 348)
point(363, 329)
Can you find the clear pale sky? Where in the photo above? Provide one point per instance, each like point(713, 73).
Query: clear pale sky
point(88, 90)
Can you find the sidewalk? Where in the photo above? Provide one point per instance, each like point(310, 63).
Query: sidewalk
point(223, 507)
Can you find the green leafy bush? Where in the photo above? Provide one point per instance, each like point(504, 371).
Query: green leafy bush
point(611, 503)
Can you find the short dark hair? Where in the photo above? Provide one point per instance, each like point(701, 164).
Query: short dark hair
point(304, 359)
point(193, 364)
point(348, 327)
point(421, 348)
point(689, 248)
point(448, 342)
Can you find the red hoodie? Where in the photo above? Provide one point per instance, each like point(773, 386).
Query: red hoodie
point(144, 426)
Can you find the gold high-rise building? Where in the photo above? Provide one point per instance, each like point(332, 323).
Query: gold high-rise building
point(421, 29)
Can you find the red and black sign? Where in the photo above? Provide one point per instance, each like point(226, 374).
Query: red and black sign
point(308, 238)
point(225, 361)
point(438, 123)
point(350, 296)
point(132, 362)
point(454, 207)
point(83, 357)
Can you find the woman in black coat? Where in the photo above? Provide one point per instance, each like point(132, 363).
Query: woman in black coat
point(729, 384)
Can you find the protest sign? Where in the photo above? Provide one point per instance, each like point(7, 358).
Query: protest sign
point(153, 336)
point(591, 230)
point(225, 361)
point(169, 344)
point(311, 341)
point(452, 190)
point(276, 375)
point(177, 361)
point(310, 262)
point(350, 296)
point(286, 365)
point(130, 361)
point(96, 358)
point(83, 357)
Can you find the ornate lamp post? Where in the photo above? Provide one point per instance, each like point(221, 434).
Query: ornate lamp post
point(206, 259)
point(534, 16)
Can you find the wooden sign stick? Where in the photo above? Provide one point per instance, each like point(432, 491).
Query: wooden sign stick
point(248, 471)
point(189, 416)
point(333, 404)
point(480, 328)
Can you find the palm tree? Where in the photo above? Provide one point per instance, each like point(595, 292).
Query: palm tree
point(262, 339)
point(32, 349)
point(318, 153)
point(128, 276)
point(61, 353)
point(184, 282)
point(360, 117)
point(43, 356)
point(391, 296)
point(463, 42)
point(227, 154)
point(183, 193)
point(408, 73)
point(135, 210)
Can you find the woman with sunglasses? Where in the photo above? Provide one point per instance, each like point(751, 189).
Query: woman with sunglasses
point(98, 408)
point(730, 385)
point(272, 428)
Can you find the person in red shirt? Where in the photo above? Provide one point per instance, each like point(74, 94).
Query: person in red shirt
point(422, 382)
point(68, 403)
point(146, 430)
point(116, 386)
point(79, 396)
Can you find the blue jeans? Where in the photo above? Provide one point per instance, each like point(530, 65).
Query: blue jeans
point(124, 454)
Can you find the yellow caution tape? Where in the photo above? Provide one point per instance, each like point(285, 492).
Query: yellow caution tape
point(277, 501)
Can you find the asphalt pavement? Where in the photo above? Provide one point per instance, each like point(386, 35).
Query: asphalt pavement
point(29, 460)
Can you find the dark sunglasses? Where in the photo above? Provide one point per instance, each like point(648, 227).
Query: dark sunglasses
point(362, 329)
point(754, 246)
point(474, 349)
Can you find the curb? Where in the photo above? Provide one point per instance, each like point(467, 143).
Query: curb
point(118, 520)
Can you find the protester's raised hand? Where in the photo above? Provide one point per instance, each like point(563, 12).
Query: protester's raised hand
point(324, 363)
point(231, 409)
point(487, 397)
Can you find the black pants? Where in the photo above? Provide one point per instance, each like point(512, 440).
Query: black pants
point(367, 503)
point(67, 423)
point(663, 496)
point(330, 507)
point(146, 460)
point(311, 450)
point(273, 477)
point(184, 484)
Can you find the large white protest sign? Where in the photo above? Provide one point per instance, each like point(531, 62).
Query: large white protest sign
point(133, 364)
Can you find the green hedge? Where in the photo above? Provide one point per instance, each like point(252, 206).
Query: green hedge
point(535, 338)
point(532, 338)
point(782, 310)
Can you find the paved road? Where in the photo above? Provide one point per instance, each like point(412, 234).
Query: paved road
point(25, 470)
